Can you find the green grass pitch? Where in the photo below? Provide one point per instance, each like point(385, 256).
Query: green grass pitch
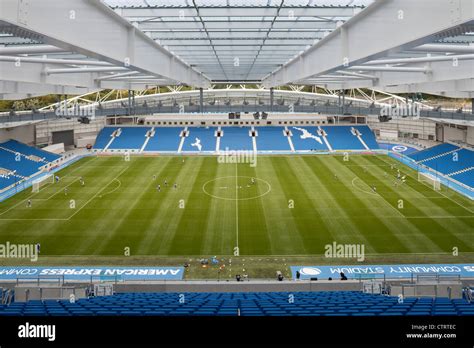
point(296, 207)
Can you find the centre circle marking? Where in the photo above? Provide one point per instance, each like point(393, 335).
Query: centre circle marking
point(269, 188)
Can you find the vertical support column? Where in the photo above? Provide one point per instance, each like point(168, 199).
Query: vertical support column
point(343, 105)
point(271, 99)
point(129, 104)
point(133, 102)
point(472, 106)
point(201, 100)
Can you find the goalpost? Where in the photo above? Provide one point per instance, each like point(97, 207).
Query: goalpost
point(430, 180)
point(41, 182)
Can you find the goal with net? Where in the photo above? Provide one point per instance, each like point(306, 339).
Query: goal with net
point(41, 182)
point(430, 179)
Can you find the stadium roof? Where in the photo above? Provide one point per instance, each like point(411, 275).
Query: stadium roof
point(396, 46)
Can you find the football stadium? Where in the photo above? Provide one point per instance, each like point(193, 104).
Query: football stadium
point(210, 158)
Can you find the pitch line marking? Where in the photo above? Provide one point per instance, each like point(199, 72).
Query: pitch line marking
point(115, 189)
point(59, 190)
point(382, 197)
point(369, 192)
point(35, 193)
point(118, 175)
point(233, 199)
point(270, 256)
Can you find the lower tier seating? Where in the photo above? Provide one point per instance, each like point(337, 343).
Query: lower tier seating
point(341, 303)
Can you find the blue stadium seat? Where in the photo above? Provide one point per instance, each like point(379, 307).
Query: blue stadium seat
point(433, 151)
point(305, 139)
point(341, 138)
point(272, 139)
point(203, 136)
point(131, 138)
point(166, 139)
point(236, 138)
point(104, 137)
point(26, 150)
point(342, 303)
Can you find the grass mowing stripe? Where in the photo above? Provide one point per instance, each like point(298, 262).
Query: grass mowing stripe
point(311, 225)
point(254, 234)
point(441, 207)
point(219, 228)
point(173, 239)
point(280, 223)
point(397, 225)
point(157, 208)
point(151, 226)
point(340, 213)
point(430, 227)
point(427, 192)
point(150, 204)
point(374, 230)
point(108, 213)
point(191, 229)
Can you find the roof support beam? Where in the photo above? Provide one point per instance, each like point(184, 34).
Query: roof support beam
point(35, 49)
point(36, 74)
point(12, 90)
point(443, 88)
point(83, 70)
point(93, 29)
point(444, 48)
point(438, 72)
point(52, 61)
point(236, 11)
point(384, 27)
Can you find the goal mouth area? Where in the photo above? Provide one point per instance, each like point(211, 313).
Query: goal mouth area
point(430, 179)
point(41, 182)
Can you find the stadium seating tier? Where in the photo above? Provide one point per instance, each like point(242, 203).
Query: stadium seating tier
point(341, 303)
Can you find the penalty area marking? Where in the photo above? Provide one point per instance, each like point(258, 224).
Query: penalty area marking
point(439, 192)
point(375, 194)
point(115, 189)
point(237, 186)
point(361, 189)
point(98, 193)
point(77, 211)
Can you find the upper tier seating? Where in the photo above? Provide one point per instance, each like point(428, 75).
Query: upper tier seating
point(341, 303)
